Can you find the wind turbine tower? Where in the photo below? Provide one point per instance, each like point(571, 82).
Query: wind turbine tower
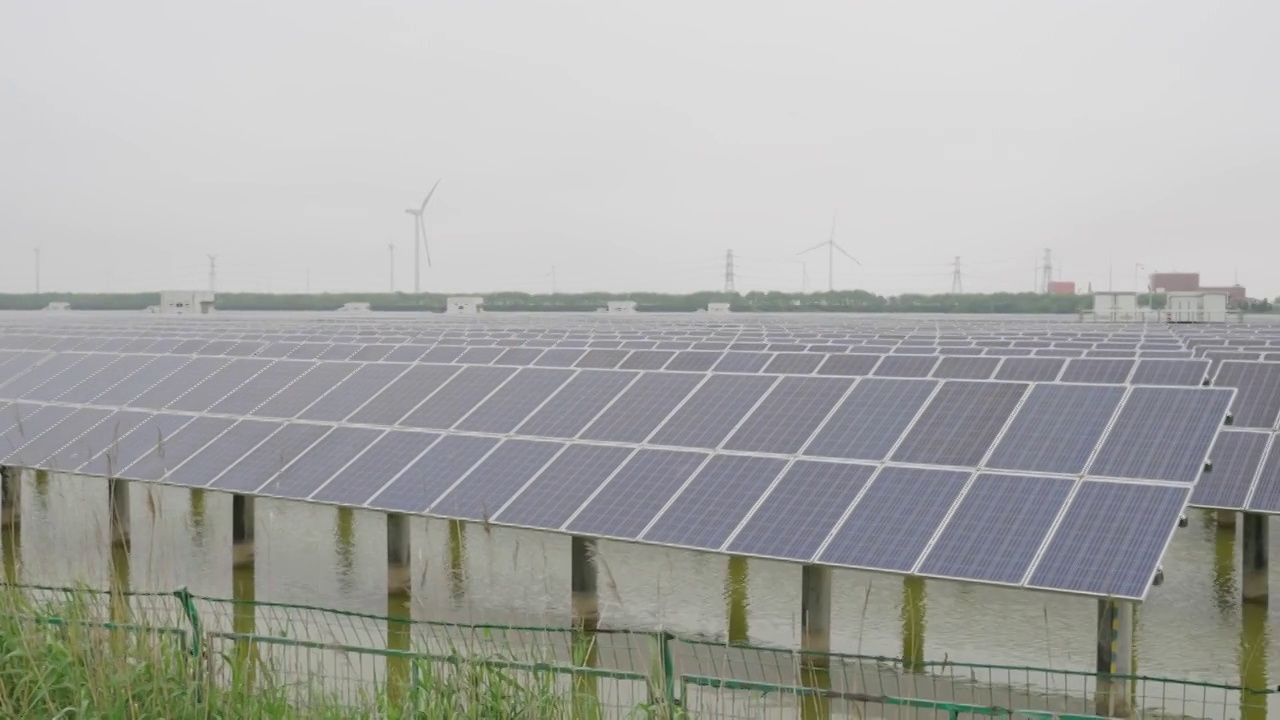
point(832, 247)
point(420, 239)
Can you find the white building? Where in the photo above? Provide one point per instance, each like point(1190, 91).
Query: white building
point(1197, 306)
point(1115, 307)
point(718, 307)
point(186, 302)
point(57, 307)
point(463, 305)
point(621, 306)
point(360, 307)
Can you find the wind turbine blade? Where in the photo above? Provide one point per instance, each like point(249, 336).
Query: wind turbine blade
point(426, 249)
point(815, 247)
point(427, 199)
point(842, 252)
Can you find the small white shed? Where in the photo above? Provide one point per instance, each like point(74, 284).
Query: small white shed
point(1115, 307)
point(186, 302)
point(356, 307)
point(1198, 306)
point(463, 305)
point(621, 306)
point(718, 307)
point(57, 307)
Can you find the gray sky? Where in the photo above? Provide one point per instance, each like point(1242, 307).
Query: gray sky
point(631, 144)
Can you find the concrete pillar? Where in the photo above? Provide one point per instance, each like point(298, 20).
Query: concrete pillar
point(399, 578)
point(1225, 593)
point(118, 503)
point(1115, 658)
point(399, 643)
point(913, 624)
point(345, 548)
point(1226, 518)
point(196, 517)
point(457, 563)
point(42, 489)
point(1254, 642)
point(121, 611)
point(815, 641)
point(1253, 559)
point(735, 596)
point(10, 499)
point(586, 619)
point(242, 529)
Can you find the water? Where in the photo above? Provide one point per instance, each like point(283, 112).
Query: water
point(1190, 627)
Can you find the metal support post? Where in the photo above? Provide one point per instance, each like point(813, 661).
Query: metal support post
point(913, 624)
point(735, 596)
point(815, 640)
point(242, 521)
point(399, 577)
point(586, 618)
point(1115, 658)
point(1253, 558)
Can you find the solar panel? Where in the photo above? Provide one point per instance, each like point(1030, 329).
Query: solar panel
point(869, 421)
point(563, 486)
point(309, 471)
point(373, 353)
point(713, 410)
point(1257, 402)
point(639, 410)
point(202, 396)
point(374, 468)
point(906, 366)
point(960, 423)
point(39, 374)
point(458, 397)
point(801, 510)
point(339, 401)
point(406, 353)
point(1030, 369)
point(794, 363)
point(1265, 495)
point(1057, 428)
point(789, 414)
point(576, 403)
point(715, 502)
point(262, 386)
point(404, 394)
point(251, 470)
point(41, 446)
point(742, 362)
point(1110, 540)
point(1236, 455)
point(518, 356)
point(432, 474)
point(966, 368)
point(1162, 433)
point(117, 370)
point(997, 528)
point(647, 360)
point(693, 361)
point(510, 404)
point(892, 522)
point(625, 505)
point(211, 460)
point(602, 359)
point(164, 452)
point(293, 398)
point(1170, 372)
point(491, 483)
point(340, 351)
point(100, 437)
point(559, 357)
point(442, 354)
point(1097, 371)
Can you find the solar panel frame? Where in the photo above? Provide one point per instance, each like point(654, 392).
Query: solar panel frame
point(1237, 458)
point(374, 468)
point(1158, 434)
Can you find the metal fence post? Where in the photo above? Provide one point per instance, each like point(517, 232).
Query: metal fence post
point(189, 608)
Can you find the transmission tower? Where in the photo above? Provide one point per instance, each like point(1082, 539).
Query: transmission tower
point(957, 284)
point(213, 273)
point(1047, 269)
point(728, 272)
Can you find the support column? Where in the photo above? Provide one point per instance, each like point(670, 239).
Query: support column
point(242, 521)
point(1115, 658)
point(1254, 641)
point(10, 499)
point(399, 578)
point(1225, 592)
point(1253, 559)
point(196, 517)
point(913, 624)
point(118, 492)
point(815, 640)
point(586, 619)
point(735, 596)
point(457, 563)
point(1226, 518)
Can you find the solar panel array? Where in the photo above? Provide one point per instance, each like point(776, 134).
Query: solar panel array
point(842, 444)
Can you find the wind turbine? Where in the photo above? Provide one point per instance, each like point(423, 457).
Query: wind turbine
point(832, 247)
point(420, 231)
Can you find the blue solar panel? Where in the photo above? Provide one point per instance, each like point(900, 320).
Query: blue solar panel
point(1097, 371)
point(1057, 428)
point(894, 519)
point(250, 471)
point(117, 454)
point(642, 407)
point(495, 480)
point(339, 401)
point(857, 365)
point(262, 386)
point(203, 396)
point(304, 391)
point(515, 400)
point(433, 473)
point(37, 375)
point(789, 414)
point(628, 502)
point(1257, 402)
point(742, 362)
point(518, 357)
point(693, 361)
point(712, 411)
point(966, 368)
point(801, 510)
point(994, 533)
point(794, 363)
point(906, 366)
point(114, 373)
point(871, 419)
point(38, 447)
point(1265, 496)
point(164, 452)
point(404, 394)
point(647, 360)
point(125, 390)
point(28, 421)
point(308, 472)
point(960, 423)
point(214, 458)
point(373, 353)
point(601, 359)
point(1163, 433)
point(458, 397)
point(406, 353)
point(1236, 456)
point(715, 502)
point(98, 439)
point(377, 466)
point(1111, 539)
point(1170, 372)
point(567, 412)
point(1030, 369)
point(559, 357)
point(563, 486)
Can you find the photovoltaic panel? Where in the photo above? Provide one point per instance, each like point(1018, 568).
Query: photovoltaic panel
point(295, 397)
point(602, 359)
point(217, 347)
point(120, 368)
point(14, 363)
point(871, 418)
point(1170, 372)
point(789, 415)
point(404, 394)
point(892, 522)
point(1097, 371)
point(519, 356)
point(39, 374)
point(715, 502)
point(339, 401)
point(121, 447)
point(563, 486)
point(248, 472)
point(309, 471)
point(1265, 496)
point(627, 503)
point(39, 447)
point(742, 362)
point(79, 373)
point(713, 410)
point(339, 351)
point(433, 473)
point(1257, 401)
point(906, 366)
point(693, 361)
point(165, 452)
point(132, 389)
point(1030, 369)
point(960, 423)
point(1111, 539)
point(647, 360)
point(277, 350)
point(221, 383)
point(1057, 428)
point(373, 353)
point(1236, 455)
point(215, 457)
point(262, 386)
point(642, 407)
point(458, 397)
point(491, 483)
point(559, 357)
point(994, 533)
point(244, 349)
point(97, 439)
point(1163, 433)
point(801, 510)
point(308, 351)
point(962, 367)
point(510, 404)
point(480, 355)
point(576, 403)
point(794, 363)
point(359, 481)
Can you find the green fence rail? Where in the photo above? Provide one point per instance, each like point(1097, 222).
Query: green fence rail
point(394, 665)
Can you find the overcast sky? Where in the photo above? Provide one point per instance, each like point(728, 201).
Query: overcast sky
point(630, 144)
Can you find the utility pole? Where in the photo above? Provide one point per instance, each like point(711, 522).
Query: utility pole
point(957, 285)
point(1047, 269)
point(37, 271)
point(728, 272)
point(391, 248)
point(213, 273)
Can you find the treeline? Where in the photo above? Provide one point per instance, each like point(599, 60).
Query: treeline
point(846, 301)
